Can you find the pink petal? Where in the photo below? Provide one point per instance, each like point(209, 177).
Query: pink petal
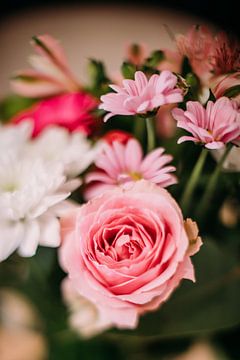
point(133, 155)
point(141, 81)
point(99, 176)
point(215, 145)
point(187, 138)
point(151, 158)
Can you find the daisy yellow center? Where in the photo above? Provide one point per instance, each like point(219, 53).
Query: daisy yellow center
point(135, 176)
point(10, 187)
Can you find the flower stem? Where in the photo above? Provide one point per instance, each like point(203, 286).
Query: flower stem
point(187, 195)
point(209, 192)
point(139, 129)
point(150, 133)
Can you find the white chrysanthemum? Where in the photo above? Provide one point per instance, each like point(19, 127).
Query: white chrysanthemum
point(14, 137)
point(30, 191)
point(73, 150)
point(33, 184)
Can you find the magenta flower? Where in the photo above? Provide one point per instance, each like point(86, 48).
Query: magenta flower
point(213, 127)
point(141, 95)
point(72, 111)
point(119, 164)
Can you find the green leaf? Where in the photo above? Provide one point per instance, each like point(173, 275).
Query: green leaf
point(232, 91)
point(98, 78)
point(156, 57)
point(211, 96)
point(128, 70)
point(186, 67)
point(13, 104)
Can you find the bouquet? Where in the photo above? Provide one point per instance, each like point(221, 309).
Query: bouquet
point(120, 198)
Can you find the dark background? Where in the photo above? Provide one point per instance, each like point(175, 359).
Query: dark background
point(223, 13)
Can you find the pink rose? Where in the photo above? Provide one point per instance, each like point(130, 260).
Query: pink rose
point(127, 250)
point(71, 111)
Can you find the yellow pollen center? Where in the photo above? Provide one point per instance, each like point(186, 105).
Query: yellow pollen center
point(135, 176)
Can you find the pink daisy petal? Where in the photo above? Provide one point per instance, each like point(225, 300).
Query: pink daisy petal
point(130, 87)
point(214, 145)
point(133, 155)
point(119, 150)
point(187, 138)
point(151, 158)
point(108, 116)
point(141, 81)
point(99, 176)
point(157, 164)
point(174, 97)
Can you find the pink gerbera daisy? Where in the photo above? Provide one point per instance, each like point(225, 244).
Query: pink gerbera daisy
point(141, 95)
point(214, 126)
point(119, 164)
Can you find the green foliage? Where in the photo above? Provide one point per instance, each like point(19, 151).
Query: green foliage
point(128, 70)
point(98, 78)
point(155, 58)
point(232, 91)
point(186, 67)
point(13, 104)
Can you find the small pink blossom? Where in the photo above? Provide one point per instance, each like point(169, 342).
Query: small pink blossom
point(119, 164)
point(50, 74)
point(226, 55)
point(71, 111)
point(141, 95)
point(213, 127)
point(198, 46)
point(127, 250)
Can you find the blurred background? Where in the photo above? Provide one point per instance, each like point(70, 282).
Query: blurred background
point(100, 30)
point(88, 31)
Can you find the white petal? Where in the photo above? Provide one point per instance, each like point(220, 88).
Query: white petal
point(50, 231)
point(71, 185)
point(48, 202)
point(11, 235)
point(30, 240)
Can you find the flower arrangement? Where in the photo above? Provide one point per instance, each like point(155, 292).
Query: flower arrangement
point(119, 176)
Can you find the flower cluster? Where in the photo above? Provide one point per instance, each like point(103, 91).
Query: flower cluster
point(123, 241)
point(36, 178)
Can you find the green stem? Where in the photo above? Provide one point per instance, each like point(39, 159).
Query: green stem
point(150, 133)
point(139, 129)
point(191, 185)
point(209, 192)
